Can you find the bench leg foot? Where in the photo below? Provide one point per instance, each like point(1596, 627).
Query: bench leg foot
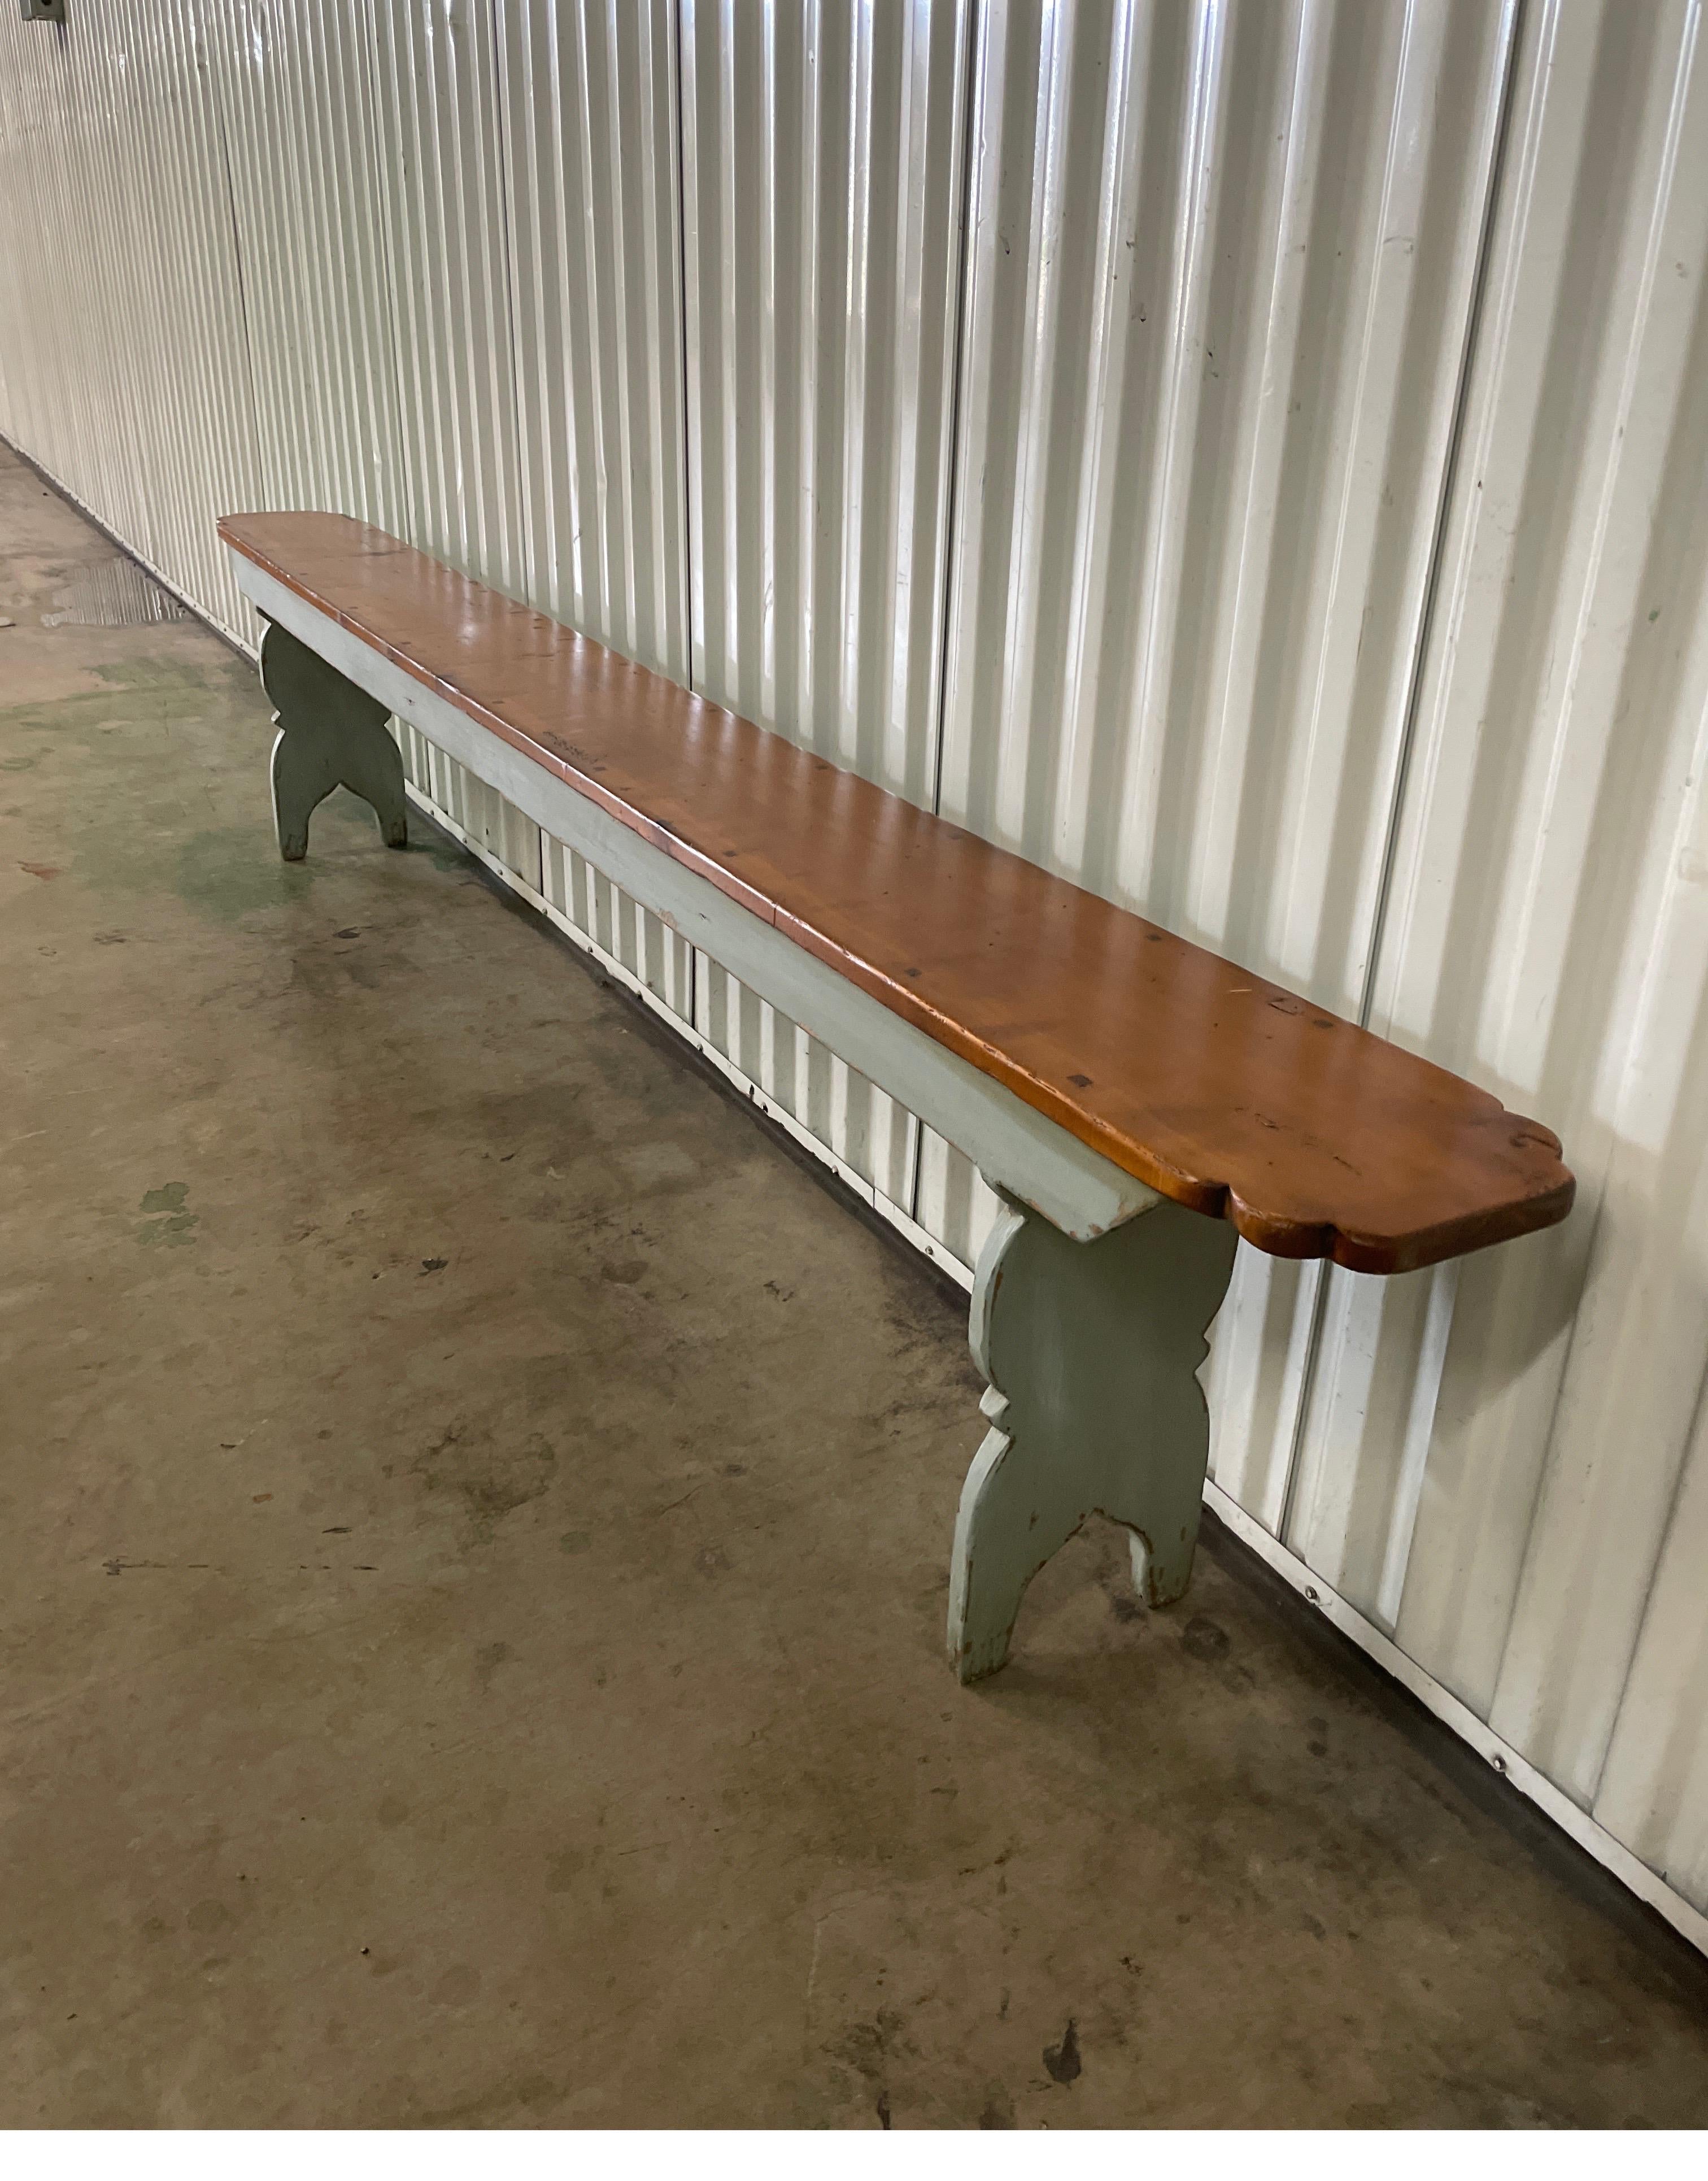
point(331, 734)
point(1091, 1350)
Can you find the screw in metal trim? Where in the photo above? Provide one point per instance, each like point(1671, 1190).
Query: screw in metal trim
point(1498, 1761)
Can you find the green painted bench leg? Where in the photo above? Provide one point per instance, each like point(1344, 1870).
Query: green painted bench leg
point(330, 734)
point(1091, 1350)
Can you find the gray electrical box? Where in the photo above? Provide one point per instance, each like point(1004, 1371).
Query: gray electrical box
point(42, 11)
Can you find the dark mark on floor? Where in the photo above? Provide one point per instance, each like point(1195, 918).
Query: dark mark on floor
point(434, 1264)
point(1063, 2060)
point(1202, 1638)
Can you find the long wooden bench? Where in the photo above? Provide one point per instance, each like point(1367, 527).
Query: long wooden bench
point(1135, 1101)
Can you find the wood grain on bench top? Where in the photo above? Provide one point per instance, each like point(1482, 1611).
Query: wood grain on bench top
point(1216, 1088)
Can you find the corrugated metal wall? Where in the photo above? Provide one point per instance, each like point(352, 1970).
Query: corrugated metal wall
point(293, 85)
point(588, 100)
point(123, 283)
point(1525, 1535)
point(1248, 457)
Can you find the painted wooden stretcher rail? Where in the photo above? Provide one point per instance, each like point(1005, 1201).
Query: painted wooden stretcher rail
point(1096, 1067)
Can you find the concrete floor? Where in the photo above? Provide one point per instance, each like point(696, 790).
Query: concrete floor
point(477, 1512)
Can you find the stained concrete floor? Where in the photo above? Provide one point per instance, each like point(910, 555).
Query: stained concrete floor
point(475, 1514)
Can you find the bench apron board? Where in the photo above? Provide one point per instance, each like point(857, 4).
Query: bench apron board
point(1094, 1292)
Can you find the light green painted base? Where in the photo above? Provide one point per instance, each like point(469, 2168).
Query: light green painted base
point(330, 734)
point(1091, 1350)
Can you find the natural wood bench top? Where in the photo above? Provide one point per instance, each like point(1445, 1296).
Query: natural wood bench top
point(1218, 1089)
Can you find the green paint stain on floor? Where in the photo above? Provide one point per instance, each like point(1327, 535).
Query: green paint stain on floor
point(174, 1233)
point(152, 718)
point(176, 674)
point(135, 693)
point(175, 1229)
point(230, 871)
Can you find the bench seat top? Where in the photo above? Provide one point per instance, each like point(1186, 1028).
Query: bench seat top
point(1210, 1085)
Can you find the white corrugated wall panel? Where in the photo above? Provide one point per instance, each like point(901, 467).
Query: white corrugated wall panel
point(1221, 264)
point(1221, 267)
point(63, 374)
point(869, 1133)
point(160, 360)
point(822, 154)
point(623, 933)
point(294, 86)
point(80, 372)
point(591, 135)
point(42, 401)
point(436, 67)
point(1503, 1476)
point(204, 442)
point(951, 1201)
point(186, 300)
